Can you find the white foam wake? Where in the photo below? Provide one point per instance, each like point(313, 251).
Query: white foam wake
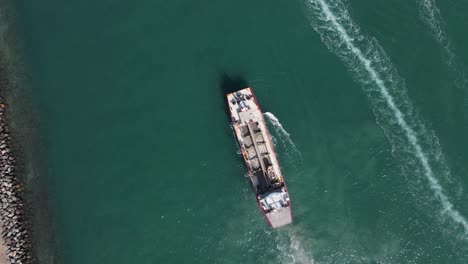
point(284, 136)
point(290, 245)
point(430, 15)
point(371, 66)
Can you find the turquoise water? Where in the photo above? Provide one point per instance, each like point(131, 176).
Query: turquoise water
point(142, 165)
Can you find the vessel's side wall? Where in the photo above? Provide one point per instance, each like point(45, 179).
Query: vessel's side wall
point(270, 148)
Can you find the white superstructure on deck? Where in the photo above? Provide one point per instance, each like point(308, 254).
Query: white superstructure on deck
point(259, 156)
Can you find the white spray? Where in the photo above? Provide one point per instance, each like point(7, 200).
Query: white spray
point(284, 136)
point(430, 15)
point(369, 62)
point(290, 245)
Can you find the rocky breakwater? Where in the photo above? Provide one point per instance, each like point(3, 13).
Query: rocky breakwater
point(15, 229)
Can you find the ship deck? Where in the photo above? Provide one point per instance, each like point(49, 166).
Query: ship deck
point(260, 157)
point(255, 140)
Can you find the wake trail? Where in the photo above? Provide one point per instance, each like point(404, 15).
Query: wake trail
point(291, 246)
point(284, 136)
point(371, 66)
point(289, 241)
point(430, 15)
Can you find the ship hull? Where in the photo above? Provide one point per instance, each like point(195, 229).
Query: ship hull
point(260, 158)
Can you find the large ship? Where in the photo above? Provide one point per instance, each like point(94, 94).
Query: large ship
point(260, 158)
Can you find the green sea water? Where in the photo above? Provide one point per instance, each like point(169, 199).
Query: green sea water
point(371, 99)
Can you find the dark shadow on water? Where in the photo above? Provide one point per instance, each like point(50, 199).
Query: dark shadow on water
point(230, 83)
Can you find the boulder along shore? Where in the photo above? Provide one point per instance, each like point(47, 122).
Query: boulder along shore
point(13, 220)
point(26, 220)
